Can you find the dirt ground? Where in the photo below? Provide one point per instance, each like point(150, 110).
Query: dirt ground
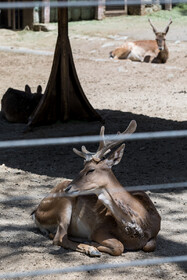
point(153, 95)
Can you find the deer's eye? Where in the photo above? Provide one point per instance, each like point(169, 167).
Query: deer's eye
point(90, 171)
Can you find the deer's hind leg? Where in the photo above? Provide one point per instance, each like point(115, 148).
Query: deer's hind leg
point(120, 52)
point(150, 245)
point(107, 243)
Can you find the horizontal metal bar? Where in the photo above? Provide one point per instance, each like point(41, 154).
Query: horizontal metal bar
point(81, 268)
point(90, 139)
point(91, 3)
point(128, 188)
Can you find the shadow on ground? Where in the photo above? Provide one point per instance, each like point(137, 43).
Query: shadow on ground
point(144, 161)
point(33, 237)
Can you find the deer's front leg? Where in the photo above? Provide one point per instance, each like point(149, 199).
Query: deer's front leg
point(61, 237)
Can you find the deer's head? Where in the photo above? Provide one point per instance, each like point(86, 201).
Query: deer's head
point(160, 36)
point(97, 167)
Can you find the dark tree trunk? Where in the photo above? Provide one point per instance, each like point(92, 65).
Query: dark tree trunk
point(64, 98)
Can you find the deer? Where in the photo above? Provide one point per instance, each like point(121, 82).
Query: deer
point(17, 105)
point(154, 51)
point(94, 213)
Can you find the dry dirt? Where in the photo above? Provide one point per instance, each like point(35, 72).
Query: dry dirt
point(153, 95)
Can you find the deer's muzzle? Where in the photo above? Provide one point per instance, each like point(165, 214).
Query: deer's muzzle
point(71, 190)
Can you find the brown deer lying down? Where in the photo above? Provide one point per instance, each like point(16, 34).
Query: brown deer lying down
point(17, 105)
point(96, 207)
point(154, 51)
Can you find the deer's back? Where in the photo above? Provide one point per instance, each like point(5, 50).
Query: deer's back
point(147, 45)
point(136, 50)
point(151, 216)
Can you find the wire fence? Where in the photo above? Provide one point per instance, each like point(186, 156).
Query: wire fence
point(103, 266)
point(89, 139)
point(91, 3)
point(175, 186)
point(81, 268)
point(93, 138)
point(25, 51)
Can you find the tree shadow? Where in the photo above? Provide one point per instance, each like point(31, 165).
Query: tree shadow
point(165, 248)
point(144, 162)
point(33, 237)
point(170, 248)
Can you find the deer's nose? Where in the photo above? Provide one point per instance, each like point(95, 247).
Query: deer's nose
point(68, 188)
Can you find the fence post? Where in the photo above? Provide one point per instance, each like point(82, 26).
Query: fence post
point(100, 10)
point(46, 12)
point(168, 5)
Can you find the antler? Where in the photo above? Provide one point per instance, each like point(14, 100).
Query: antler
point(111, 144)
point(167, 27)
point(105, 146)
point(84, 153)
point(154, 29)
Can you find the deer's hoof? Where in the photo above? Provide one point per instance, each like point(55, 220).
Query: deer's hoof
point(57, 242)
point(93, 252)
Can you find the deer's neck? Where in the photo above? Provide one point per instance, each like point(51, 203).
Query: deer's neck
point(163, 55)
point(117, 199)
point(122, 206)
point(114, 188)
point(165, 50)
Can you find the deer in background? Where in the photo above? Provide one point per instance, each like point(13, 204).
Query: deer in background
point(17, 105)
point(97, 208)
point(154, 51)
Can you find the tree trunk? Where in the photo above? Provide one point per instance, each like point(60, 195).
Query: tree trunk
point(64, 98)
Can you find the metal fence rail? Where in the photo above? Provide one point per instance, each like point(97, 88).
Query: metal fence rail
point(68, 140)
point(88, 139)
point(91, 3)
point(81, 268)
point(167, 186)
point(93, 138)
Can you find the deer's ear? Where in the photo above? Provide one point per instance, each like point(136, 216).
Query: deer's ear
point(27, 89)
point(167, 27)
point(166, 30)
point(115, 157)
point(39, 89)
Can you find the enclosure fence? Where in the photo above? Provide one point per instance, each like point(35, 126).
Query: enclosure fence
point(81, 268)
point(86, 3)
point(94, 138)
point(82, 139)
point(89, 139)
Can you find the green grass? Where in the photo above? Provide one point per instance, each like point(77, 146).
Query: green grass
point(178, 13)
point(121, 23)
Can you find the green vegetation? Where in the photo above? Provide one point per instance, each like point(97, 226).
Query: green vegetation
point(121, 24)
point(178, 13)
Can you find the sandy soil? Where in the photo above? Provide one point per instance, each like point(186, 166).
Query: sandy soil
point(153, 95)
